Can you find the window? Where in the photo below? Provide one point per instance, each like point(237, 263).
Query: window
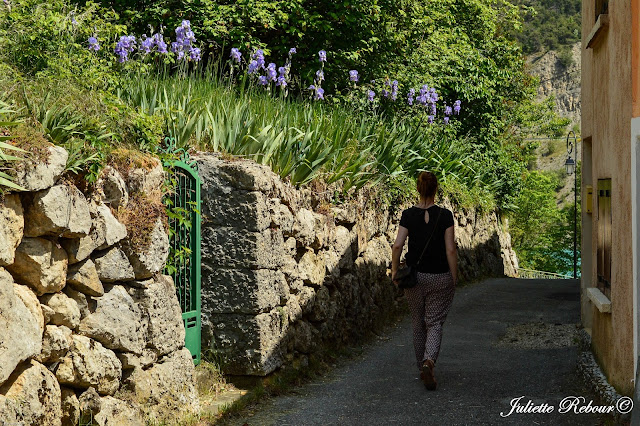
point(604, 236)
point(602, 8)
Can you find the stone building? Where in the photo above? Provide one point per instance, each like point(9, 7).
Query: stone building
point(610, 181)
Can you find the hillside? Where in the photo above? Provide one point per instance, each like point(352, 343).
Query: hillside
point(559, 77)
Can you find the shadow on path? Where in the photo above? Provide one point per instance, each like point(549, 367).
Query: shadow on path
point(484, 363)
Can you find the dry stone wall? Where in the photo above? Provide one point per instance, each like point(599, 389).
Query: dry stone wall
point(285, 271)
point(90, 331)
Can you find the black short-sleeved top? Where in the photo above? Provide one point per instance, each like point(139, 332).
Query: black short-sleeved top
point(434, 260)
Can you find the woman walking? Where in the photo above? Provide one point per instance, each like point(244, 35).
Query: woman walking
point(432, 250)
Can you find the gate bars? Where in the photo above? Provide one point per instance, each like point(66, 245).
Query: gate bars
point(184, 222)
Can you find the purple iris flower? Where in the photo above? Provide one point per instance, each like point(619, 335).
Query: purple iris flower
point(456, 107)
point(236, 54)
point(124, 46)
point(93, 44)
point(319, 76)
point(434, 95)
point(312, 87)
point(412, 93)
point(394, 90)
point(353, 76)
point(430, 119)
point(433, 109)
point(272, 74)
point(385, 93)
point(263, 80)
point(319, 93)
point(292, 51)
point(259, 58)
point(253, 67)
point(447, 110)
point(194, 54)
point(446, 120)
point(146, 44)
point(282, 71)
point(371, 94)
point(282, 82)
point(160, 44)
point(322, 55)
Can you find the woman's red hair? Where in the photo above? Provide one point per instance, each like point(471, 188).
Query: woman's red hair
point(427, 184)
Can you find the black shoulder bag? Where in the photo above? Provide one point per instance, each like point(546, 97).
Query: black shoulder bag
point(408, 275)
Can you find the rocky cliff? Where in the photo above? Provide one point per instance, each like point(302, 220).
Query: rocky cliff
point(559, 76)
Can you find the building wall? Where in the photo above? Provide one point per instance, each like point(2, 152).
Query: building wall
point(606, 117)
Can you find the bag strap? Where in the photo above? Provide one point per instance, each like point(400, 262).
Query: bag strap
point(432, 232)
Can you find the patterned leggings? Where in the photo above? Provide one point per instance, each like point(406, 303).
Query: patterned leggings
point(429, 302)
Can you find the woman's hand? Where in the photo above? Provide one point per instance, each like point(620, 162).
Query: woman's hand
point(396, 251)
point(393, 276)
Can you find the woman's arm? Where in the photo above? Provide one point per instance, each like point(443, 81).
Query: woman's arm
point(396, 250)
point(452, 252)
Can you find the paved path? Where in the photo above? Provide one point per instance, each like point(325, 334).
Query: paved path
point(477, 376)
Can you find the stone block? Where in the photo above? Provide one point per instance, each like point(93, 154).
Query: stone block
point(70, 407)
point(149, 260)
point(20, 329)
point(78, 249)
point(113, 187)
point(41, 265)
point(59, 211)
point(236, 248)
point(55, 343)
point(312, 268)
point(146, 180)
point(115, 321)
point(167, 388)
point(35, 395)
point(161, 314)
point(83, 277)
point(107, 230)
point(237, 208)
point(113, 265)
point(44, 174)
point(247, 344)
point(65, 310)
point(11, 227)
point(249, 291)
point(88, 363)
point(115, 412)
point(32, 303)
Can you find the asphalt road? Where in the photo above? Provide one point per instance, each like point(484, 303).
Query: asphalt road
point(485, 362)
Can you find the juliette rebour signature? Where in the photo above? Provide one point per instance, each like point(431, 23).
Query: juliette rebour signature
point(570, 404)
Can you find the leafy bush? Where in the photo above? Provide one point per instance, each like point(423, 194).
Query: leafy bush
point(549, 24)
point(6, 149)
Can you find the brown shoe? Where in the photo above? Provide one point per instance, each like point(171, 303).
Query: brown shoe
point(427, 375)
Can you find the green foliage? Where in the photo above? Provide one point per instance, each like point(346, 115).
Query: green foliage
point(40, 38)
point(542, 233)
point(463, 48)
point(549, 24)
point(534, 218)
point(6, 158)
point(298, 141)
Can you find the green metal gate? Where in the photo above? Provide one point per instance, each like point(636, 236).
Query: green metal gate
point(184, 265)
